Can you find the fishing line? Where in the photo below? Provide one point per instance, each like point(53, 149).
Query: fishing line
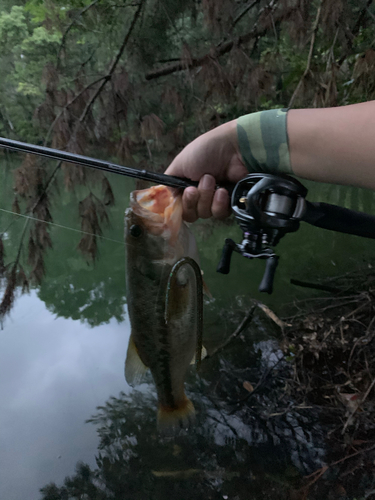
point(61, 226)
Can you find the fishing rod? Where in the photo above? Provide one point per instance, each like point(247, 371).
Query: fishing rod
point(86, 161)
point(266, 207)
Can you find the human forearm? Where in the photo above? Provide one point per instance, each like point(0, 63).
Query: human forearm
point(335, 145)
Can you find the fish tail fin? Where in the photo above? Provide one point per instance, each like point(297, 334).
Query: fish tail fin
point(171, 420)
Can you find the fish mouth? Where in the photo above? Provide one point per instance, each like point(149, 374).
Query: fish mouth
point(155, 199)
point(159, 209)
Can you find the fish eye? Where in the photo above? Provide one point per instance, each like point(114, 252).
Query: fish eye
point(135, 230)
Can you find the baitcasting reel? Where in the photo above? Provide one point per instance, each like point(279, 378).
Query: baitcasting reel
point(266, 207)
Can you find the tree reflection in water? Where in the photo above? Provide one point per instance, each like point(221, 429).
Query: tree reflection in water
point(239, 444)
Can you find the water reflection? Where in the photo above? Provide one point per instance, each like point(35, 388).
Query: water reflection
point(227, 453)
point(53, 372)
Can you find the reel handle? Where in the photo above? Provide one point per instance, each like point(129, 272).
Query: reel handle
point(266, 284)
point(226, 255)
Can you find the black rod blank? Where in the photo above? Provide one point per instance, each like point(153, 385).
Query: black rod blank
point(340, 219)
point(317, 214)
point(86, 161)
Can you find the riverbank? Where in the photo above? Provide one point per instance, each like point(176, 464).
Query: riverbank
point(309, 390)
point(330, 343)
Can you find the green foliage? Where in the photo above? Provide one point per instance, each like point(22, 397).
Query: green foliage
point(81, 39)
point(26, 48)
point(13, 28)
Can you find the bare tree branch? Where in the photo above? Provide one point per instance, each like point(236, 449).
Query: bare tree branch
point(82, 11)
point(72, 101)
point(108, 76)
point(104, 79)
point(244, 11)
point(216, 52)
point(351, 34)
point(309, 58)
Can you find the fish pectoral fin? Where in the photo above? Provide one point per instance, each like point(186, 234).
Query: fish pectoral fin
point(135, 369)
point(203, 355)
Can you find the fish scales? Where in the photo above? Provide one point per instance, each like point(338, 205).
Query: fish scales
point(162, 347)
point(163, 340)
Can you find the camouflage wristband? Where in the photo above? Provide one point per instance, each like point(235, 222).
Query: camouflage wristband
point(263, 141)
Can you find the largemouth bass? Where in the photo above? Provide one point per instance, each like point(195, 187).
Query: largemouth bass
point(164, 296)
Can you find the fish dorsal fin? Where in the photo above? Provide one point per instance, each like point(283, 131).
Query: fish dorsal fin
point(134, 367)
point(203, 355)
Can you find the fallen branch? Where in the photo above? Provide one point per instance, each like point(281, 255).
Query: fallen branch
point(257, 387)
point(271, 314)
point(244, 323)
point(315, 286)
point(315, 476)
point(351, 413)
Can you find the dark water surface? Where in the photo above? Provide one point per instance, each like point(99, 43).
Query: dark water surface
point(62, 352)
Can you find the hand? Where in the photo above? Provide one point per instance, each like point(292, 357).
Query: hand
point(212, 157)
